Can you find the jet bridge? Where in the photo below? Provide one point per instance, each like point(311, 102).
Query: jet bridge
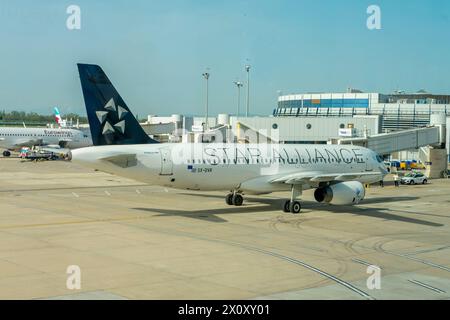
point(387, 143)
point(430, 140)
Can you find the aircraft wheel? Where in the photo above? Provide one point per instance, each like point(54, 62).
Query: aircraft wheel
point(229, 199)
point(238, 200)
point(295, 207)
point(6, 153)
point(287, 206)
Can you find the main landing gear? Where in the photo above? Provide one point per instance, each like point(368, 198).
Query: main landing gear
point(292, 205)
point(234, 199)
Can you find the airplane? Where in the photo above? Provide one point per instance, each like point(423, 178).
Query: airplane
point(15, 138)
point(121, 147)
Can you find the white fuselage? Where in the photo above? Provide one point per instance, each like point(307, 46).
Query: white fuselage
point(247, 167)
point(14, 138)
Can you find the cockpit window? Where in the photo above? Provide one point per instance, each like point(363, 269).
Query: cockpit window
point(379, 159)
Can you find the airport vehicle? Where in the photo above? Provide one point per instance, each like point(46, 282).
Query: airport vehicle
point(15, 138)
point(395, 164)
point(42, 153)
point(418, 166)
point(446, 174)
point(411, 165)
point(414, 178)
point(121, 147)
point(35, 155)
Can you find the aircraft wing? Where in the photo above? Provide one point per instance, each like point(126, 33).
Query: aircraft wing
point(122, 160)
point(307, 177)
point(21, 143)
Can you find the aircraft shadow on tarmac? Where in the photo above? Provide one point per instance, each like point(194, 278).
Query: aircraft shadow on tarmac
point(308, 206)
point(211, 214)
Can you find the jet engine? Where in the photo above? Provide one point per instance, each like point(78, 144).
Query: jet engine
point(63, 144)
point(342, 193)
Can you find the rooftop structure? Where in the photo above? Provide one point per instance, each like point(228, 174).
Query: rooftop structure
point(399, 110)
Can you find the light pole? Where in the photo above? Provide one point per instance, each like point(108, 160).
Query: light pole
point(239, 85)
point(247, 68)
point(206, 76)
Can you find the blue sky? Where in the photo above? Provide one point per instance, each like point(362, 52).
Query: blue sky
point(155, 51)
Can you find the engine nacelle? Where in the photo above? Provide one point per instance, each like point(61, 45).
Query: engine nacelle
point(342, 193)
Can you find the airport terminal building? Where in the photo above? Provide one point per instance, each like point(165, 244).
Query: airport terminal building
point(398, 111)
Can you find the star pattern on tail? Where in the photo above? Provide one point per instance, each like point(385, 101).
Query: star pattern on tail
point(118, 111)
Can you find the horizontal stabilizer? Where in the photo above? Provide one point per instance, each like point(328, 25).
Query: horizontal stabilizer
point(122, 160)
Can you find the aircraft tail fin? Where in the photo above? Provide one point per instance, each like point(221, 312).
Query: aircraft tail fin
point(111, 121)
point(58, 118)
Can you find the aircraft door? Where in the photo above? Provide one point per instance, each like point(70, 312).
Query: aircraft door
point(166, 162)
point(369, 163)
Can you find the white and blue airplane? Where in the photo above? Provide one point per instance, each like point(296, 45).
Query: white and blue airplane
point(54, 139)
point(121, 147)
point(14, 138)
